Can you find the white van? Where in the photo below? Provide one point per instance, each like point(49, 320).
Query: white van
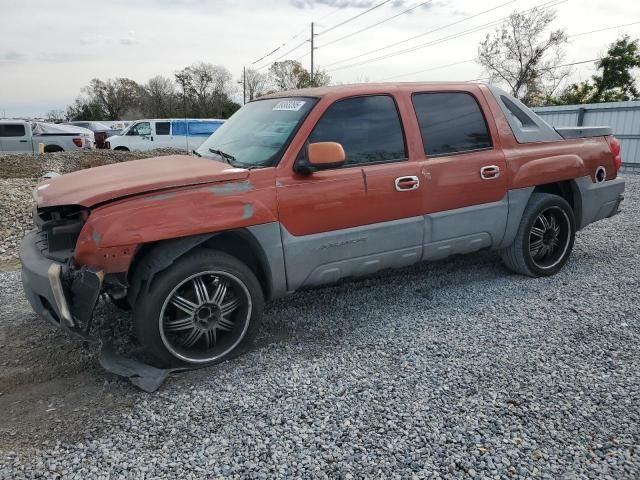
point(187, 134)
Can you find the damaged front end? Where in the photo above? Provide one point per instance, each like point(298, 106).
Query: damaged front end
point(58, 291)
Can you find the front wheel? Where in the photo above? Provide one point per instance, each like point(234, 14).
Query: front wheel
point(204, 309)
point(544, 239)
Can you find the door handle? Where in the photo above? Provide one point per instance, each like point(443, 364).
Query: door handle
point(490, 172)
point(404, 184)
point(23, 141)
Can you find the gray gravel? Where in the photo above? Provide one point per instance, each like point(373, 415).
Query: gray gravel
point(19, 173)
point(456, 369)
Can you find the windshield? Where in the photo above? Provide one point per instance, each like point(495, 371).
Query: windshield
point(257, 134)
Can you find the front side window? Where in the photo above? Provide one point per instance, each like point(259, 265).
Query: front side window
point(140, 129)
point(9, 130)
point(163, 128)
point(450, 122)
point(258, 133)
point(368, 128)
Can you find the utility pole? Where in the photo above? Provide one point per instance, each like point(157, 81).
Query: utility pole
point(244, 85)
point(312, 35)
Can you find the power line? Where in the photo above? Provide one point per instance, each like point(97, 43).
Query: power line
point(278, 48)
point(549, 68)
point(549, 4)
point(354, 17)
point(420, 35)
point(603, 29)
point(374, 24)
point(284, 54)
point(427, 70)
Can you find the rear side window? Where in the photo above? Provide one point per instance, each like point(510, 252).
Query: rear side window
point(203, 129)
point(163, 128)
point(368, 128)
point(9, 130)
point(196, 129)
point(450, 122)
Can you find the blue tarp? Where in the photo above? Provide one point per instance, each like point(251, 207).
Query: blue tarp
point(197, 128)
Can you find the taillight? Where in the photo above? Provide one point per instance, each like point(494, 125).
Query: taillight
point(78, 142)
point(614, 145)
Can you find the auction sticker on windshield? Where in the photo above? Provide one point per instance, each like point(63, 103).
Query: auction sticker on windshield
point(289, 105)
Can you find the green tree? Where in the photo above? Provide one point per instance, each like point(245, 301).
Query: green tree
point(114, 97)
point(291, 75)
point(206, 89)
point(614, 83)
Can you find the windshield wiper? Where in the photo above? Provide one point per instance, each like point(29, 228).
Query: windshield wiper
point(196, 153)
point(230, 159)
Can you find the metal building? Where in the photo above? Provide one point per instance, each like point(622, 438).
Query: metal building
point(623, 117)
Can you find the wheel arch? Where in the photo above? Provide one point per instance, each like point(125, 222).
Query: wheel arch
point(567, 189)
point(519, 199)
point(53, 147)
point(152, 258)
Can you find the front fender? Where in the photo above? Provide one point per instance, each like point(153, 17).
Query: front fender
point(113, 232)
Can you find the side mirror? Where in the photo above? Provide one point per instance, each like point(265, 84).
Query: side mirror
point(321, 156)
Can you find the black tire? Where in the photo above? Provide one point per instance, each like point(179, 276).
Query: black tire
point(121, 303)
point(168, 337)
point(534, 251)
point(121, 149)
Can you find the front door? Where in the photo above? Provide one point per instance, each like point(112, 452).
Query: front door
point(359, 218)
point(139, 137)
point(15, 138)
point(465, 175)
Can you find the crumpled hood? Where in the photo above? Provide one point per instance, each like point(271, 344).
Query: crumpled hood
point(109, 182)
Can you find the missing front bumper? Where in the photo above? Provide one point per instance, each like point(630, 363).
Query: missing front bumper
point(64, 296)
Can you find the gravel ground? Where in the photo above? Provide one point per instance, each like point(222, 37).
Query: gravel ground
point(19, 175)
point(456, 369)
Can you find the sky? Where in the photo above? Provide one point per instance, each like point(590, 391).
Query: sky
point(50, 49)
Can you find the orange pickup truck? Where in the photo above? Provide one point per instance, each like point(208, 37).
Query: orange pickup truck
point(303, 188)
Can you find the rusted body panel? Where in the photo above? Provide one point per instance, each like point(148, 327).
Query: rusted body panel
point(109, 182)
point(112, 232)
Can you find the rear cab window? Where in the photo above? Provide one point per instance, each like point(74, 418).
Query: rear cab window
point(367, 127)
point(450, 123)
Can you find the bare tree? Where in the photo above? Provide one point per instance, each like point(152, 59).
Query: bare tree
point(256, 83)
point(520, 55)
point(114, 97)
point(160, 97)
point(290, 74)
point(206, 87)
point(55, 116)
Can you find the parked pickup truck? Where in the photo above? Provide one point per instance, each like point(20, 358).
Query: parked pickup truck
point(19, 136)
point(303, 188)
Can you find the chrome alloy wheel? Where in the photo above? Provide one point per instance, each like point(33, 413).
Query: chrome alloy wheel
point(549, 237)
point(205, 316)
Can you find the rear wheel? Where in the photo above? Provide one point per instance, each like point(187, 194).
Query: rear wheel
point(544, 239)
point(204, 309)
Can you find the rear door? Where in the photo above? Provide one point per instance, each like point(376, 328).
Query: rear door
point(14, 137)
point(162, 135)
point(358, 218)
point(465, 174)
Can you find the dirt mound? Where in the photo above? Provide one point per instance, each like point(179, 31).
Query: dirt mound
point(19, 174)
point(34, 166)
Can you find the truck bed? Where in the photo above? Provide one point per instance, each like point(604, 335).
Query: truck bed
point(583, 132)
